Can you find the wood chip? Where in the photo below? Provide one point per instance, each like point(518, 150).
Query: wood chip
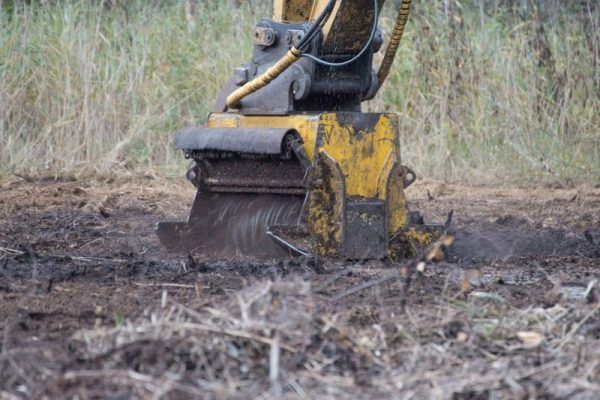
point(530, 339)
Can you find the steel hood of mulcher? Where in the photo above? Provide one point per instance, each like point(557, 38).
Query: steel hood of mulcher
point(266, 141)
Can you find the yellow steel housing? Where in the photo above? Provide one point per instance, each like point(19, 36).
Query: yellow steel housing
point(360, 160)
point(365, 157)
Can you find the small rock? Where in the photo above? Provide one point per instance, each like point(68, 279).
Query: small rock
point(455, 330)
point(502, 219)
point(530, 339)
point(571, 236)
point(462, 337)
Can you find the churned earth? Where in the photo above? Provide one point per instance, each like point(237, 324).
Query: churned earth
point(91, 306)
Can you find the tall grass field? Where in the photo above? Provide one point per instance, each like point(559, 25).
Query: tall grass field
point(502, 92)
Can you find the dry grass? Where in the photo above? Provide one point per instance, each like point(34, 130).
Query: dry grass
point(485, 93)
point(488, 94)
point(276, 338)
point(88, 88)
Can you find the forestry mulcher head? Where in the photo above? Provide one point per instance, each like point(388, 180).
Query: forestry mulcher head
point(288, 163)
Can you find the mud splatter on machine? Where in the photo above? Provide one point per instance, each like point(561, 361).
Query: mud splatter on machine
point(288, 162)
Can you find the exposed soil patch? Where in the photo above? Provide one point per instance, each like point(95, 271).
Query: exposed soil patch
point(92, 306)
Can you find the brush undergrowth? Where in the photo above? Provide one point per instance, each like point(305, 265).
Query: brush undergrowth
point(486, 94)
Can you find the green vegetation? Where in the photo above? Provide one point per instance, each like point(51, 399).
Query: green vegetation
point(486, 92)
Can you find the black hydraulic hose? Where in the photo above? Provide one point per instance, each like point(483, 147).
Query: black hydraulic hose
point(314, 30)
point(366, 47)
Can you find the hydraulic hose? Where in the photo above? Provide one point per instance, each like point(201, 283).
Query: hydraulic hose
point(365, 48)
point(263, 80)
point(283, 64)
point(395, 39)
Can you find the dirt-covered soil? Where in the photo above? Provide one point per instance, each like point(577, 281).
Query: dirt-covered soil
point(92, 307)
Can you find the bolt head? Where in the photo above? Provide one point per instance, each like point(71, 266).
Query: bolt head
point(191, 174)
point(241, 76)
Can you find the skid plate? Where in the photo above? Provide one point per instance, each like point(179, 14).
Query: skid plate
point(232, 225)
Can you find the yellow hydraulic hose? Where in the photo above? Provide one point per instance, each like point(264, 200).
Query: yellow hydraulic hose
point(396, 37)
point(263, 80)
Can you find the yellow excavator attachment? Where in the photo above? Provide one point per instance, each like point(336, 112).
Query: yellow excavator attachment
point(332, 186)
point(288, 164)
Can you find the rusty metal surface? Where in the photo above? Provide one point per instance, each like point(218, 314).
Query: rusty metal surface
point(240, 140)
point(366, 234)
point(326, 206)
point(256, 189)
point(349, 29)
point(292, 10)
point(249, 175)
point(235, 182)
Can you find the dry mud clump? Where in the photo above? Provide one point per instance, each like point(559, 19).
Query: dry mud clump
point(92, 307)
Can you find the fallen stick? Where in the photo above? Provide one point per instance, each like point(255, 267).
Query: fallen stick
point(14, 252)
point(366, 285)
point(337, 276)
point(174, 285)
point(11, 251)
point(90, 258)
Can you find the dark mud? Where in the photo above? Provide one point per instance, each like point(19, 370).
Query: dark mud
point(76, 257)
point(504, 240)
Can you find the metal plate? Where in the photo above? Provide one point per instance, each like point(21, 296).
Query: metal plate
point(365, 236)
point(239, 140)
point(232, 226)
